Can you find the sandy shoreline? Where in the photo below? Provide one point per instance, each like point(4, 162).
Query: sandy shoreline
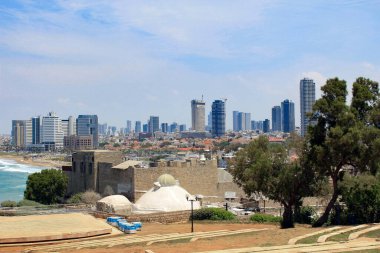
point(38, 162)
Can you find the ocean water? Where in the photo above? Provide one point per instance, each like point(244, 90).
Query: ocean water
point(13, 178)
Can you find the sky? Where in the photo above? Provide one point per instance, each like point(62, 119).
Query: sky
point(127, 60)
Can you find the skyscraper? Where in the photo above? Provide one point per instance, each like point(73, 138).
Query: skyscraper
point(173, 127)
point(154, 124)
point(266, 125)
point(128, 129)
point(235, 121)
point(276, 118)
point(287, 116)
point(138, 127)
point(307, 94)
point(182, 127)
point(18, 133)
point(52, 134)
point(198, 115)
point(88, 125)
point(36, 130)
point(218, 118)
point(164, 127)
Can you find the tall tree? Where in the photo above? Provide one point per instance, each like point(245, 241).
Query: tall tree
point(267, 168)
point(334, 138)
point(366, 106)
point(343, 135)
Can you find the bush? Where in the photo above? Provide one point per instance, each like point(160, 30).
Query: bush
point(26, 202)
point(46, 187)
point(262, 218)
point(75, 199)
point(213, 213)
point(90, 197)
point(306, 215)
point(8, 203)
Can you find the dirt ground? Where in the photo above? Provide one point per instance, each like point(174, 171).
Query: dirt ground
point(273, 236)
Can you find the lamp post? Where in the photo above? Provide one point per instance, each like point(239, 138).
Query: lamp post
point(192, 199)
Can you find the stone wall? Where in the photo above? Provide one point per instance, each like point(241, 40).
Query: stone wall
point(195, 177)
point(84, 172)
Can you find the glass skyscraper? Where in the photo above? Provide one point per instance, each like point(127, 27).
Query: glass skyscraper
point(218, 112)
point(87, 125)
point(287, 116)
point(307, 95)
point(276, 118)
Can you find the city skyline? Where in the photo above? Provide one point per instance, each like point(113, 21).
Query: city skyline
point(129, 60)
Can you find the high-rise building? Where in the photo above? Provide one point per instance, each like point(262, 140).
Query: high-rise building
point(307, 95)
point(154, 124)
point(52, 134)
point(218, 111)
point(257, 125)
point(138, 127)
point(241, 121)
point(287, 116)
point(266, 126)
point(174, 127)
point(28, 133)
point(102, 129)
point(88, 125)
point(69, 126)
point(182, 127)
point(36, 130)
point(128, 129)
point(18, 133)
point(209, 122)
point(198, 115)
point(235, 121)
point(276, 118)
point(164, 127)
point(145, 128)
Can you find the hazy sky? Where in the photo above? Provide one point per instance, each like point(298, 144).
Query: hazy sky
point(131, 59)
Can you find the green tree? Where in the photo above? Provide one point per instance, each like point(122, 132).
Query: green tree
point(333, 139)
point(343, 135)
point(46, 187)
point(361, 194)
point(266, 168)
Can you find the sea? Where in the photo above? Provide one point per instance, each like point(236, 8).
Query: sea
point(13, 178)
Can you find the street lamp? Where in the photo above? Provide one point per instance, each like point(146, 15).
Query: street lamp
point(192, 199)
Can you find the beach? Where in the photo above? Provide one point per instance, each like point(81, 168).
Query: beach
point(38, 161)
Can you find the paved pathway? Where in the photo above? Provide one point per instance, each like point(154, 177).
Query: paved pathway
point(360, 244)
point(133, 239)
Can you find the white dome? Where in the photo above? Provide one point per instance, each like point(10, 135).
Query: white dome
point(166, 180)
point(165, 199)
point(118, 204)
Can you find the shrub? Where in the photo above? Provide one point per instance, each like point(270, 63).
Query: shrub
point(8, 203)
point(213, 213)
point(75, 199)
point(306, 215)
point(46, 187)
point(262, 218)
point(26, 202)
point(90, 197)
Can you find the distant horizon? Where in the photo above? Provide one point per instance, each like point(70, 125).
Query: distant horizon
point(126, 60)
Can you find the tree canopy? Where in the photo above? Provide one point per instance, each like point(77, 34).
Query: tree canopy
point(344, 136)
point(46, 187)
point(267, 168)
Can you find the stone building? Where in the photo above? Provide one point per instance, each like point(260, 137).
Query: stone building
point(101, 170)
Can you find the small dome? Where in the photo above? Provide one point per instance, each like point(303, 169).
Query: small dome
point(166, 180)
